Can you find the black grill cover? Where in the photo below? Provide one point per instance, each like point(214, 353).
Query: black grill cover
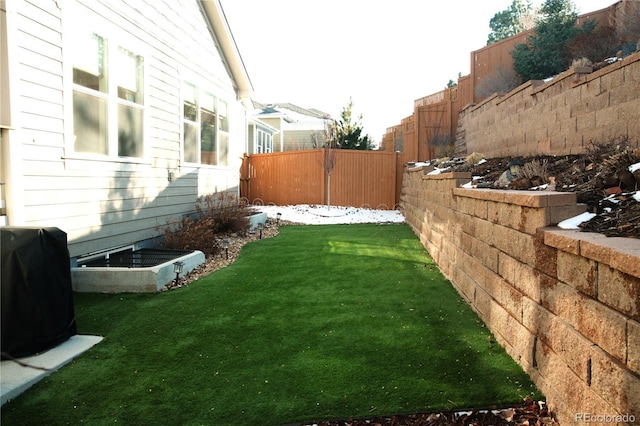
point(37, 298)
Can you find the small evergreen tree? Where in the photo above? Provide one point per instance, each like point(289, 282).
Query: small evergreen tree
point(544, 54)
point(346, 133)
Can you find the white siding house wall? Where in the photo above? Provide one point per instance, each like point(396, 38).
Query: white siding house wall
point(103, 203)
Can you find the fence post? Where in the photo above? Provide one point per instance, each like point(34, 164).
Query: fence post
point(325, 187)
point(399, 172)
point(244, 177)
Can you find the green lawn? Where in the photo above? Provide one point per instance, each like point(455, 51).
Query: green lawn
point(318, 322)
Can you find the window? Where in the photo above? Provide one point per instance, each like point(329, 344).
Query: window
point(206, 127)
point(264, 141)
point(108, 98)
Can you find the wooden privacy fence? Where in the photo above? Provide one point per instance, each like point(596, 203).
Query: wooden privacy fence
point(359, 178)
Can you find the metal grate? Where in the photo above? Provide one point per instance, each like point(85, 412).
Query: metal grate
point(143, 258)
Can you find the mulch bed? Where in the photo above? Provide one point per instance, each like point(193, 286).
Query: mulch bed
point(227, 257)
point(529, 413)
point(600, 178)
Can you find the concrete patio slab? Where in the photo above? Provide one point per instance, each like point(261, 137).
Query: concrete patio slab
point(15, 378)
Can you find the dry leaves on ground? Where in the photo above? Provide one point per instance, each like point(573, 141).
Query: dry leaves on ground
point(529, 413)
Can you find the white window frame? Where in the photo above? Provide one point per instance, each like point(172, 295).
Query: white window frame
point(202, 91)
point(263, 141)
point(115, 40)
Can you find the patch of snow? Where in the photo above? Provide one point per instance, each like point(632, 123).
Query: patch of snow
point(612, 198)
point(437, 171)
point(540, 187)
point(574, 222)
point(634, 167)
point(323, 215)
point(482, 161)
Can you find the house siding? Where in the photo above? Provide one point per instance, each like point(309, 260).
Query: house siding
point(296, 136)
point(108, 203)
point(298, 139)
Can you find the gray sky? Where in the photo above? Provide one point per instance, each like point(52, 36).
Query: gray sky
point(382, 54)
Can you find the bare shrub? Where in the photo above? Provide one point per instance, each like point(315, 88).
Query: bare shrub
point(398, 141)
point(502, 80)
point(443, 145)
point(216, 214)
point(228, 213)
point(596, 46)
point(582, 62)
point(474, 158)
point(536, 170)
point(597, 150)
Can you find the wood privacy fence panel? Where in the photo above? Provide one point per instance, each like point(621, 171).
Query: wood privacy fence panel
point(285, 178)
point(364, 178)
point(359, 178)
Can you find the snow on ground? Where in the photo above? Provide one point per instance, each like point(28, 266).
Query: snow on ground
point(323, 215)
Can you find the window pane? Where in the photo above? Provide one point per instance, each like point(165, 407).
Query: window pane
point(208, 102)
point(129, 76)
point(190, 107)
point(223, 148)
point(89, 123)
point(207, 137)
point(130, 133)
point(90, 56)
point(222, 115)
point(190, 143)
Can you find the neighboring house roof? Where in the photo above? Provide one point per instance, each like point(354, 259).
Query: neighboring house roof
point(279, 107)
point(229, 50)
point(295, 117)
point(256, 121)
point(298, 127)
point(271, 112)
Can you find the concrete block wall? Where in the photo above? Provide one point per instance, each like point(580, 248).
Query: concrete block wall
point(559, 117)
point(564, 304)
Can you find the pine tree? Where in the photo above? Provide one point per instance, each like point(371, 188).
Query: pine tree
point(347, 133)
point(519, 17)
point(545, 55)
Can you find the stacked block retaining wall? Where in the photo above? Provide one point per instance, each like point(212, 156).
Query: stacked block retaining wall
point(558, 117)
point(564, 304)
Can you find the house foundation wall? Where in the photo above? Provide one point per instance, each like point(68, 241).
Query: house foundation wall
point(564, 304)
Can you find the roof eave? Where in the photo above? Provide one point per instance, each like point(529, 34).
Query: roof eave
point(233, 59)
